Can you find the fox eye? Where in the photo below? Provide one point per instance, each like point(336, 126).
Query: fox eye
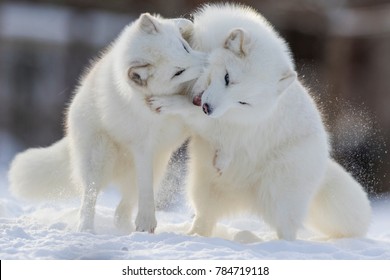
point(184, 46)
point(178, 73)
point(227, 79)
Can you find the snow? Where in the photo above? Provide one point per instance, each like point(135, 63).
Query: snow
point(48, 231)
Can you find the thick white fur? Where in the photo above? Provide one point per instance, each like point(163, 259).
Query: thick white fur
point(112, 136)
point(263, 148)
point(43, 173)
point(340, 208)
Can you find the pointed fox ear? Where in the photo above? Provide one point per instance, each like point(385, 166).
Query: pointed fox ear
point(238, 42)
point(148, 23)
point(288, 77)
point(139, 73)
point(185, 26)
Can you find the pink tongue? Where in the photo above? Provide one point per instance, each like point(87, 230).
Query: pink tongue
point(197, 101)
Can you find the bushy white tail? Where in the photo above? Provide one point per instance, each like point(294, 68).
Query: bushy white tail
point(41, 174)
point(341, 207)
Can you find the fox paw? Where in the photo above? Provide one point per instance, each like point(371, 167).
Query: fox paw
point(201, 227)
point(145, 222)
point(220, 161)
point(158, 104)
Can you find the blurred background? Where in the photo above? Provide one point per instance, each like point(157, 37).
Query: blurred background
point(341, 48)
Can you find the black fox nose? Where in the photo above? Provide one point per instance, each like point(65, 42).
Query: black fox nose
point(207, 109)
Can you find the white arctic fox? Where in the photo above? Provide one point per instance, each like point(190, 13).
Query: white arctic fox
point(112, 136)
point(260, 145)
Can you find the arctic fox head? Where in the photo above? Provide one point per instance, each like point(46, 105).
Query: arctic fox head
point(153, 56)
point(246, 75)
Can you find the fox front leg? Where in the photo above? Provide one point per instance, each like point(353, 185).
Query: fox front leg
point(171, 105)
point(146, 217)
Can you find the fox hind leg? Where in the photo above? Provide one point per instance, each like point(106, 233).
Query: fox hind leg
point(93, 168)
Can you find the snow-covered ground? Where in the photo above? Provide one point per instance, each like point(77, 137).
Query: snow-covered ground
point(48, 231)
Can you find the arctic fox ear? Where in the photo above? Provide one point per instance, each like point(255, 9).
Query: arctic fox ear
point(238, 42)
point(185, 25)
point(286, 80)
point(139, 73)
point(148, 23)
